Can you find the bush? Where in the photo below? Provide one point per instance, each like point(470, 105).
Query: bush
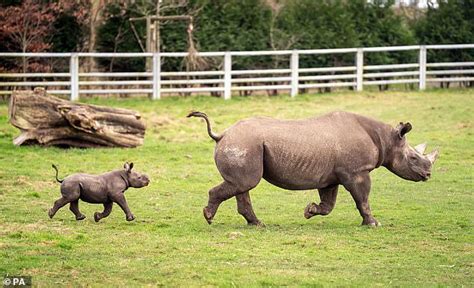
point(222, 25)
point(116, 35)
point(451, 23)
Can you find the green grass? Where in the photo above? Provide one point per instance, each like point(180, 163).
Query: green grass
point(426, 239)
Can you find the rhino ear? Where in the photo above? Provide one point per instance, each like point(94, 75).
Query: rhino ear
point(420, 148)
point(127, 166)
point(402, 129)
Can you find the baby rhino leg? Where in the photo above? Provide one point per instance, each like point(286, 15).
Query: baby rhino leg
point(105, 213)
point(74, 207)
point(58, 204)
point(70, 193)
point(119, 198)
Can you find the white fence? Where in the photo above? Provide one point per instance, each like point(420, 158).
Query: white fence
point(226, 80)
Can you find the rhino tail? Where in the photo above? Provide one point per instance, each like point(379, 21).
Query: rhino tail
point(56, 168)
point(209, 130)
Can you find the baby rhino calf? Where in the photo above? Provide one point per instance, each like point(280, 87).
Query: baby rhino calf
point(105, 188)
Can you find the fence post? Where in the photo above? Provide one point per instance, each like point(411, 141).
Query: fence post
point(422, 59)
point(74, 71)
point(227, 75)
point(360, 69)
point(156, 69)
point(294, 64)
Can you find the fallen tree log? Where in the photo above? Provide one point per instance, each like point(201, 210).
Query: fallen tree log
point(51, 121)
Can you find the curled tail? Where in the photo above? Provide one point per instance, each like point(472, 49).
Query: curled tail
point(209, 130)
point(56, 168)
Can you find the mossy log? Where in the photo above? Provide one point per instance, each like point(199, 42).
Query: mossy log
point(50, 121)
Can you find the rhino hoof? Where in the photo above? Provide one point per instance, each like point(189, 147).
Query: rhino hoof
point(373, 223)
point(310, 210)
point(96, 216)
point(207, 215)
point(257, 224)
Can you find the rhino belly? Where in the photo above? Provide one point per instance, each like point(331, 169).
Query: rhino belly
point(296, 167)
point(94, 190)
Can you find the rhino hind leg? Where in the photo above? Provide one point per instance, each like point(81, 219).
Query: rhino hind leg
point(244, 207)
point(241, 167)
point(328, 198)
point(58, 204)
point(217, 195)
point(74, 207)
point(70, 192)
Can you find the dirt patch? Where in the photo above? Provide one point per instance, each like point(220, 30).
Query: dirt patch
point(235, 235)
point(163, 120)
point(22, 180)
point(463, 125)
point(33, 227)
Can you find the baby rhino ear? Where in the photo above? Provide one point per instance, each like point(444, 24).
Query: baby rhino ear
point(128, 166)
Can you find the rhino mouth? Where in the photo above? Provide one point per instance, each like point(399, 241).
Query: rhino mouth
point(425, 177)
point(145, 183)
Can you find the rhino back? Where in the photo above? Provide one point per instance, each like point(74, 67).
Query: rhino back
point(82, 178)
point(309, 153)
point(94, 187)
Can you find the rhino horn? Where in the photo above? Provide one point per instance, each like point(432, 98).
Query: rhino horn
point(420, 148)
point(433, 156)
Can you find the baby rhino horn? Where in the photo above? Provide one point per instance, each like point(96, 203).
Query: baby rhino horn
point(420, 148)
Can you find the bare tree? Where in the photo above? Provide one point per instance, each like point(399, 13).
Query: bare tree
point(28, 27)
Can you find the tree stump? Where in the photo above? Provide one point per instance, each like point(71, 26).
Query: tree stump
point(51, 121)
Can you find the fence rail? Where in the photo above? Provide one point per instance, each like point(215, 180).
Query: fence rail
point(226, 80)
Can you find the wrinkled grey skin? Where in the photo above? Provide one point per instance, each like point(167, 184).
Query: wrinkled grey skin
point(105, 188)
point(338, 148)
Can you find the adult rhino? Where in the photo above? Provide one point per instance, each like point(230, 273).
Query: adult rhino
point(338, 148)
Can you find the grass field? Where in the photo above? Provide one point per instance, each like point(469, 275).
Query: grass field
point(427, 237)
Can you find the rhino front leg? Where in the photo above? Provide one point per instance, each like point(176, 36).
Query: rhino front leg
point(328, 198)
point(74, 207)
point(359, 187)
point(244, 207)
point(122, 202)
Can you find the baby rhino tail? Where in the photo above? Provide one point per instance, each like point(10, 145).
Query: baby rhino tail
point(56, 168)
point(209, 130)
